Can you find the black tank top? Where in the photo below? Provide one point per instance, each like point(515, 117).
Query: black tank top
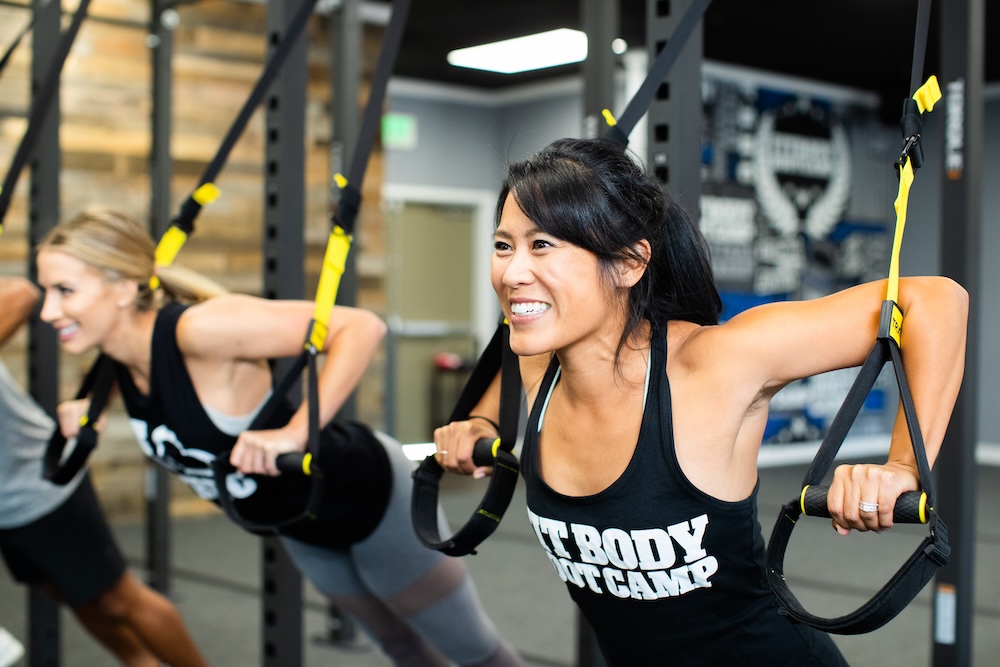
point(174, 430)
point(664, 573)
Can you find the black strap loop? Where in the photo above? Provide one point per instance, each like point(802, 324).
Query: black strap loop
point(932, 553)
point(40, 107)
point(426, 479)
point(345, 215)
point(222, 468)
point(97, 385)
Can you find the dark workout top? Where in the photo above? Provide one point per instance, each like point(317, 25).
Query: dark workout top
point(664, 573)
point(174, 430)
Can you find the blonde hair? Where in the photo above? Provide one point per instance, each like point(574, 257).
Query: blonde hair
point(116, 245)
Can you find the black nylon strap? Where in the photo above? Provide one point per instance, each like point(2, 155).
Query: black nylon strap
point(17, 40)
point(350, 194)
point(639, 103)
point(427, 477)
point(97, 385)
point(40, 106)
point(345, 216)
point(191, 208)
point(222, 468)
point(932, 553)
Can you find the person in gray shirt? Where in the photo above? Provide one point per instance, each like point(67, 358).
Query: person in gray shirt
point(57, 537)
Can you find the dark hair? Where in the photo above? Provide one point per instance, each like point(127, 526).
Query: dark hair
point(593, 194)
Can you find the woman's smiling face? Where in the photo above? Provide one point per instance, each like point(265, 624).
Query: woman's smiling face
point(551, 291)
point(81, 303)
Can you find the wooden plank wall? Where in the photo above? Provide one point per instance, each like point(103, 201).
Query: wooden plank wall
point(105, 136)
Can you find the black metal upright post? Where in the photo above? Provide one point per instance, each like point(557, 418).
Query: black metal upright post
point(674, 115)
point(600, 20)
point(961, 78)
point(43, 347)
point(163, 20)
point(284, 278)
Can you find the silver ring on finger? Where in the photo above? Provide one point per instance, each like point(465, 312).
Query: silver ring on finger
point(868, 507)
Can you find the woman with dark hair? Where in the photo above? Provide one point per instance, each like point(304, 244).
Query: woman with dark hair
point(640, 451)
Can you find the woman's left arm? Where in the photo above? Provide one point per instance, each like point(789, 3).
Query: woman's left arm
point(248, 328)
point(932, 344)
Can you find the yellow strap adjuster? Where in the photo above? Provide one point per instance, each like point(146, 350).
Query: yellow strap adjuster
point(206, 193)
point(926, 97)
point(334, 261)
point(167, 249)
point(609, 118)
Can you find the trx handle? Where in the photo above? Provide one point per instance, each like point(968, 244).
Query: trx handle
point(39, 108)
point(427, 477)
point(934, 551)
point(910, 507)
point(222, 468)
point(182, 226)
point(97, 385)
point(930, 555)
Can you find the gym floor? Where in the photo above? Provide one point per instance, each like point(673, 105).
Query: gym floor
point(216, 572)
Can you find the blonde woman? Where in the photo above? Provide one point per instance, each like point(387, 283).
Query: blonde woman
point(194, 377)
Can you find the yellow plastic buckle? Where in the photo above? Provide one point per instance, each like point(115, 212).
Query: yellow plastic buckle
point(206, 193)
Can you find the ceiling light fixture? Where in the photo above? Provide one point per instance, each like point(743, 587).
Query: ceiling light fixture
point(522, 54)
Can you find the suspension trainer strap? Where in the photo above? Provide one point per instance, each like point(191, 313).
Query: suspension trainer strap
point(17, 40)
point(934, 551)
point(334, 262)
point(39, 108)
point(182, 226)
point(620, 129)
point(97, 386)
point(427, 477)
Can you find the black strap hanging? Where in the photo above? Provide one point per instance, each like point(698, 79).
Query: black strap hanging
point(17, 40)
point(182, 226)
point(427, 477)
point(39, 108)
point(497, 357)
point(96, 384)
point(911, 507)
point(343, 220)
point(636, 108)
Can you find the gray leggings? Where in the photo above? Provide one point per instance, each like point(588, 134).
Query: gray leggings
point(419, 605)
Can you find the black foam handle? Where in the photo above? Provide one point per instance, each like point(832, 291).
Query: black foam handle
point(482, 452)
point(911, 507)
point(291, 463)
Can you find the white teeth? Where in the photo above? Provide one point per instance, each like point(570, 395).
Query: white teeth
point(532, 308)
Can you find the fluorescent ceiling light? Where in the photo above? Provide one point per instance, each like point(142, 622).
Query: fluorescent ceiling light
point(522, 54)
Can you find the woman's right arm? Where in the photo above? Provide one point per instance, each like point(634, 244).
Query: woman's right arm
point(19, 298)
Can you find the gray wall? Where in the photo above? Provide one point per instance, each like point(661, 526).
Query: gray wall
point(465, 144)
